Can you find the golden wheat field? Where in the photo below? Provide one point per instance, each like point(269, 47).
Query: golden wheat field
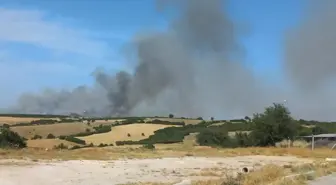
point(55, 129)
point(120, 133)
point(48, 143)
point(14, 120)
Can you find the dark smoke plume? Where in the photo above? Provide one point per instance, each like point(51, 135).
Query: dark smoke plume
point(310, 61)
point(196, 68)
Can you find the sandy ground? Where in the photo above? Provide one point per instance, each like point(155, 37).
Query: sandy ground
point(327, 180)
point(129, 170)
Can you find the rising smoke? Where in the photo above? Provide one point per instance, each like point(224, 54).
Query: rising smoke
point(195, 68)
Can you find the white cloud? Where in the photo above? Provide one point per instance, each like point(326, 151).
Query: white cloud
point(33, 27)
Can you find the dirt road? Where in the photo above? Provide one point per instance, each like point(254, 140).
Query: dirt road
point(125, 171)
point(327, 180)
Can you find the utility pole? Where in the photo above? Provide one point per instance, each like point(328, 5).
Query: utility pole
point(313, 142)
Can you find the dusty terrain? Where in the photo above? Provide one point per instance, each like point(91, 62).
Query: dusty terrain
point(122, 171)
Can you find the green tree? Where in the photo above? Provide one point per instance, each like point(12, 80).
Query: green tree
point(215, 138)
point(10, 139)
point(273, 125)
point(171, 115)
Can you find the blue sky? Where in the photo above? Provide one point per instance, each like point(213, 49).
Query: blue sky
point(58, 43)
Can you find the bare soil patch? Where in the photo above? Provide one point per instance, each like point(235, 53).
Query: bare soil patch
point(115, 172)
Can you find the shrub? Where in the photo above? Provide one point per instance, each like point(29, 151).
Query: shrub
point(102, 129)
point(148, 146)
point(60, 146)
point(171, 115)
point(5, 126)
point(128, 135)
point(36, 136)
point(121, 143)
point(10, 139)
point(243, 139)
point(143, 134)
point(157, 121)
point(215, 138)
point(50, 136)
point(102, 145)
point(200, 118)
point(74, 140)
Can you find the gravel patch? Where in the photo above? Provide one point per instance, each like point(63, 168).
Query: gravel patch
point(90, 172)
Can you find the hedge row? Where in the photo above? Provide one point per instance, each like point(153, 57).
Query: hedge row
point(177, 134)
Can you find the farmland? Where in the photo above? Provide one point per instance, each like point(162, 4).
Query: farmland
point(133, 132)
point(213, 148)
point(55, 129)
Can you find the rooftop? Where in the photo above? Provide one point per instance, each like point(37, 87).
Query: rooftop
point(323, 135)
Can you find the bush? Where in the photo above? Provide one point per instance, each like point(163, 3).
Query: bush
point(128, 135)
point(102, 145)
point(143, 134)
point(243, 139)
point(10, 139)
point(171, 116)
point(50, 136)
point(121, 143)
point(73, 139)
point(148, 146)
point(5, 126)
point(61, 146)
point(157, 121)
point(36, 137)
point(215, 138)
point(102, 129)
point(43, 122)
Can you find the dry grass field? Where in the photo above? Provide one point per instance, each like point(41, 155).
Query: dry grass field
point(209, 166)
point(186, 121)
point(55, 129)
point(269, 174)
point(162, 150)
point(48, 143)
point(15, 120)
point(120, 133)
